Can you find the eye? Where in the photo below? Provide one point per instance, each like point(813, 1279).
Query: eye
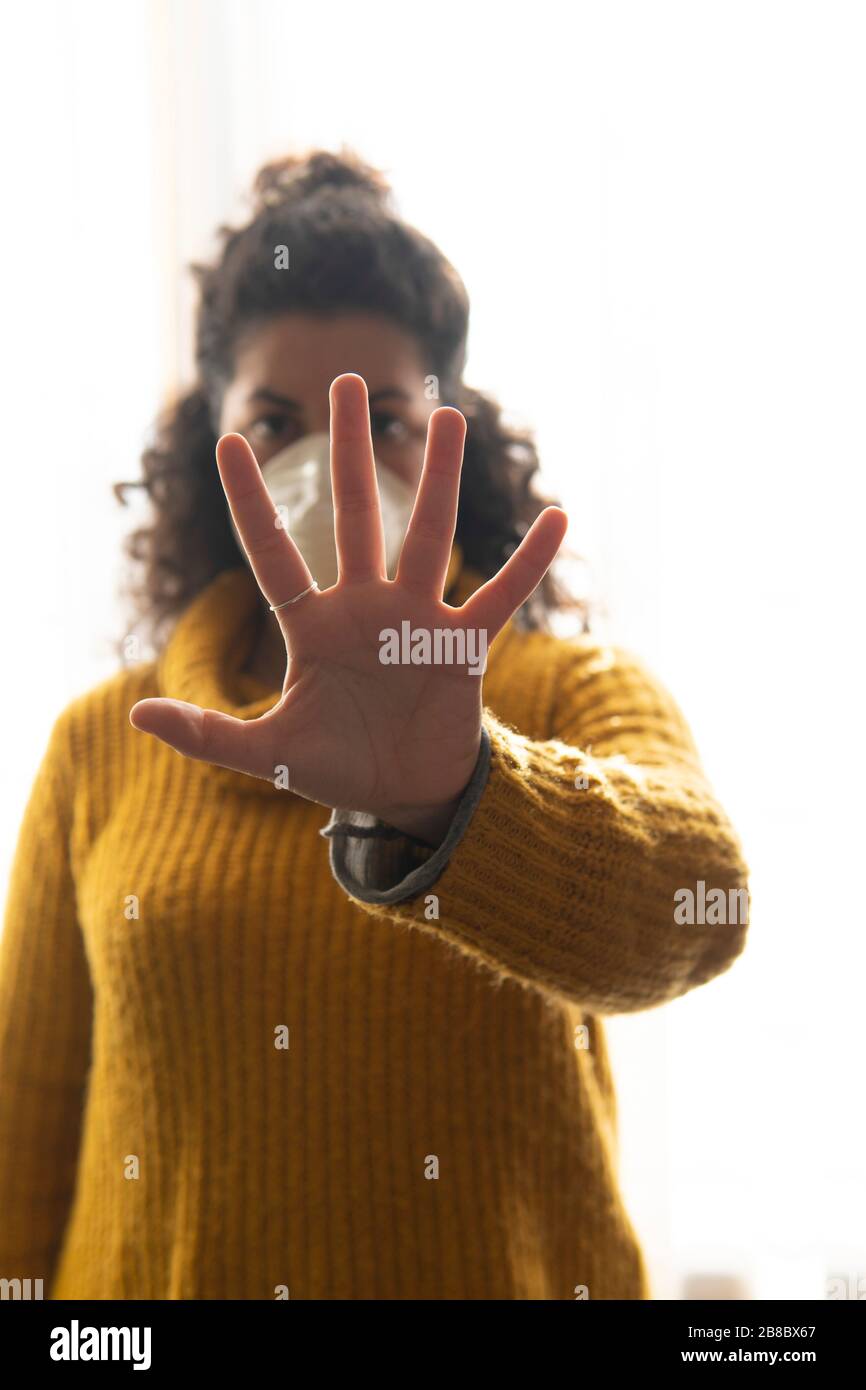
point(389, 427)
point(269, 427)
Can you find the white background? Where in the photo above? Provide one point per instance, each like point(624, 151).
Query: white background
point(659, 212)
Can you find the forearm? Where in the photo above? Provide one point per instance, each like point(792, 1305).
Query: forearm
point(562, 867)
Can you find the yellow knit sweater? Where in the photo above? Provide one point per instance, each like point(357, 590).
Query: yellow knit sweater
point(221, 1076)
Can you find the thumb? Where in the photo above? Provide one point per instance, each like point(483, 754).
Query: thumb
point(240, 744)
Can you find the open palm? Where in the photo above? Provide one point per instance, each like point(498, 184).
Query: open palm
point(399, 741)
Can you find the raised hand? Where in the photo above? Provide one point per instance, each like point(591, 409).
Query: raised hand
point(354, 729)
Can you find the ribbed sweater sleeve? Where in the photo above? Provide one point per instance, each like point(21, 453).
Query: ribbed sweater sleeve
point(45, 1027)
point(565, 876)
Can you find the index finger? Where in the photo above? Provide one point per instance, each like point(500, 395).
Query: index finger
point(276, 562)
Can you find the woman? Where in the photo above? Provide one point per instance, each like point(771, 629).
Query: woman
point(244, 1061)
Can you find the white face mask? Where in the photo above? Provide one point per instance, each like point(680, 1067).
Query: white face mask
point(299, 481)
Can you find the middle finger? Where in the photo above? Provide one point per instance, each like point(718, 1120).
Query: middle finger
point(357, 513)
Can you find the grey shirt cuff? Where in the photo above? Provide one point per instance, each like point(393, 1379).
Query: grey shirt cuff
point(378, 864)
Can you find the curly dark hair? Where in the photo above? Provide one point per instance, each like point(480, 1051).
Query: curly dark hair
point(353, 252)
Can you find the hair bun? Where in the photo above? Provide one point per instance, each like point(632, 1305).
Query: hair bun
point(294, 177)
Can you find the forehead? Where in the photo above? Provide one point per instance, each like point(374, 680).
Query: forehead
point(301, 354)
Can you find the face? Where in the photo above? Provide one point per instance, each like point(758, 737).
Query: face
point(284, 369)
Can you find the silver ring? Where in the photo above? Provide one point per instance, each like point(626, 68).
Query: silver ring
point(275, 606)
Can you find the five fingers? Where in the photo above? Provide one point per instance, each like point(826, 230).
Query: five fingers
point(282, 573)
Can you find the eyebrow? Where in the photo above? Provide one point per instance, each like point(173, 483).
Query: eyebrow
point(264, 393)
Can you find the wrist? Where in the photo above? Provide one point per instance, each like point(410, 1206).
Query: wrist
point(427, 823)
